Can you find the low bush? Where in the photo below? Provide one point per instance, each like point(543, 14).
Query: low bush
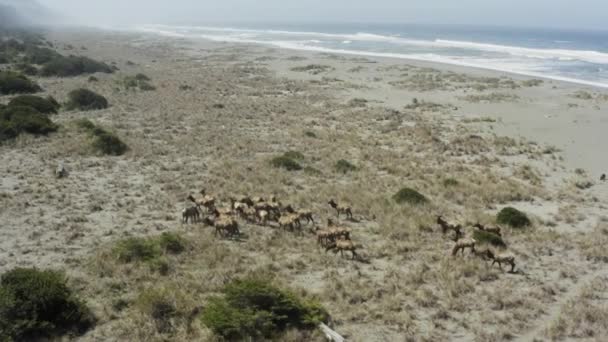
point(27, 69)
point(15, 120)
point(93, 79)
point(84, 99)
point(409, 196)
point(38, 55)
point(159, 304)
point(73, 66)
point(255, 309)
point(136, 250)
point(513, 217)
point(150, 249)
point(310, 134)
point(172, 243)
point(450, 182)
point(344, 166)
point(286, 163)
point(488, 238)
point(103, 141)
point(13, 83)
point(139, 81)
point(38, 305)
point(108, 143)
point(44, 106)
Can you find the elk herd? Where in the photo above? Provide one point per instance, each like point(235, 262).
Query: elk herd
point(461, 243)
point(268, 212)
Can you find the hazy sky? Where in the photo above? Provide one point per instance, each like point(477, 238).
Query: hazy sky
point(549, 13)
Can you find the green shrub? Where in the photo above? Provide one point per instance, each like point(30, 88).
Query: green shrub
point(138, 81)
point(73, 66)
point(137, 249)
point(142, 77)
point(310, 134)
point(286, 163)
point(44, 106)
point(15, 120)
point(103, 141)
point(149, 249)
point(172, 243)
point(38, 305)
point(108, 143)
point(85, 124)
point(489, 238)
point(344, 166)
point(13, 83)
point(450, 182)
point(93, 79)
point(38, 55)
point(255, 309)
point(410, 196)
point(27, 69)
point(513, 217)
point(295, 155)
point(84, 99)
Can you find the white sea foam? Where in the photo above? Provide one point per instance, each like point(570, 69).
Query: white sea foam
point(518, 63)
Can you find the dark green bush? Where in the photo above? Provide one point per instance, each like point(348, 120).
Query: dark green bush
point(149, 249)
point(344, 166)
point(103, 141)
point(38, 305)
point(13, 83)
point(310, 134)
point(255, 309)
point(44, 106)
point(93, 79)
point(286, 163)
point(137, 249)
point(15, 120)
point(450, 182)
point(109, 143)
point(410, 196)
point(27, 69)
point(73, 66)
point(84, 99)
point(513, 217)
point(489, 238)
point(38, 55)
point(138, 81)
point(172, 243)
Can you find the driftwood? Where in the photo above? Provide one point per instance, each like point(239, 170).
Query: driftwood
point(330, 334)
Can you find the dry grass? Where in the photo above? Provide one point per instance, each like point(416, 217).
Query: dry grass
point(221, 137)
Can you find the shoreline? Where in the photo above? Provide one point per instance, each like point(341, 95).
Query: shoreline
point(383, 55)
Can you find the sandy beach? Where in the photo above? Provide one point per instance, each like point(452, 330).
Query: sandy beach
point(471, 141)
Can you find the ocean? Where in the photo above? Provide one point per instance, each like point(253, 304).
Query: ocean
point(569, 55)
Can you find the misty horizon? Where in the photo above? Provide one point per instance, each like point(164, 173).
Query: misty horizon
point(584, 15)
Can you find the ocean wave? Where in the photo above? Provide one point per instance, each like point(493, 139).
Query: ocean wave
point(497, 64)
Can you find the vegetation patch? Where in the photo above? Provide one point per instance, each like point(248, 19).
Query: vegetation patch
point(344, 166)
point(14, 83)
point(103, 141)
point(139, 81)
point(488, 238)
point(15, 120)
point(513, 217)
point(313, 68)
point(409, 196)
point(61, 66)
point(288, 161)
point(38, 305)
point(84, 99)
point(450, 182)
point(139, 249)
point(42, 105)
point(255, 309)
